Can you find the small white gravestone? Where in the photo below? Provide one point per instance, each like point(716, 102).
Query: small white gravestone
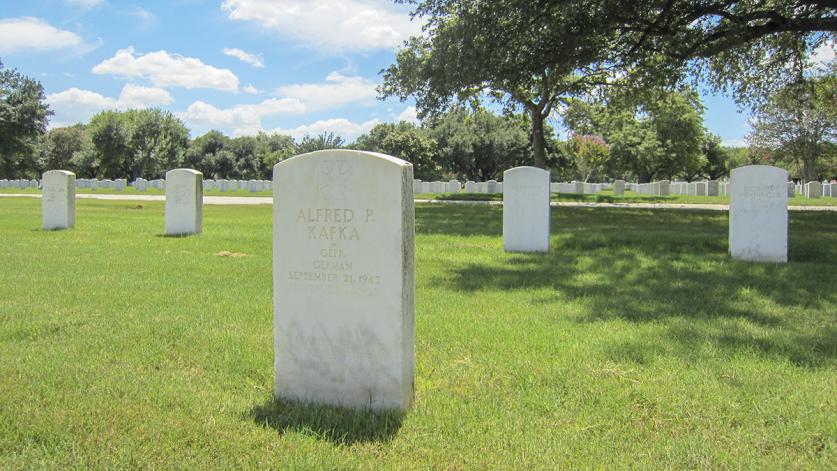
point(58, 205)
point(813, 190)
point(344, 279)
point(526, 210)
point(426, 187)
point(184, 201)
point(758, 214)
point(619, 187)
point(712, 188)
point(470, 187)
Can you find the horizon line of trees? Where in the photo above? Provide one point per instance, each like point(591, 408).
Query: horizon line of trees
point(658, 134)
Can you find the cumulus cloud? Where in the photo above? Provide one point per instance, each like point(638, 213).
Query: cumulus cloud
point(409, 114)
point(75, 105)
point(334, 25)
point(242, 119)
point(243, 56)
point(338, 90)
point(250, 89)
point(33, 34)
point(340, 127)
point(167, 70)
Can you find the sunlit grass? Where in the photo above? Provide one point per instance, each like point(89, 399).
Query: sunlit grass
point(636, 343)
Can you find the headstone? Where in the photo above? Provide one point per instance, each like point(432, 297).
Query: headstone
point(344, 280)
point(758, 214)
point(526, 210)
point(426, 187)
point(58, 204)
point(701, 189)
point(184, 201)
point(416, 185)
point(491, 186)
point(619, 187)
point(665, 187)
point(712, 188)
point(813, 190)
point(482, 187)
point(791, 190)
point(454, 186)
point(470, 187)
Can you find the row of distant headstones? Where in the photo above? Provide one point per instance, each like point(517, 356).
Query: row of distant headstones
point(344, 270)
point(661, 188)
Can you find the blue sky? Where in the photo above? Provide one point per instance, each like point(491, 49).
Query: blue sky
point(242, 66)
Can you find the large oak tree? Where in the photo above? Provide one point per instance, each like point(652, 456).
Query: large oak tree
point(525, 54)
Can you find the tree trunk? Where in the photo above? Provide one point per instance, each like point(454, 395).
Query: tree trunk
point(538, 143)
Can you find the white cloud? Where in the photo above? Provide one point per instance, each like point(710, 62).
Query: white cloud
point(33, 34)
point(338, 90)
point(146, 18)
point(165, 70)
point(252, 59)
point(85, 4)
point(741, 142)
point(409, 114)
point(137, 96)
point(242, 119)
point(340, 127)
point(334, 25)
point(77, 106)
point(251, 89)
point(824, 54)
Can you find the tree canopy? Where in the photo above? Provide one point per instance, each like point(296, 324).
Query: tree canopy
point(527, 55)
point(798, 128)
point(23, 119)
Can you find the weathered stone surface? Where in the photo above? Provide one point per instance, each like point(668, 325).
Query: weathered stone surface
point(344, 279)
point(758, 214)
point(58, 205)
point(184, 201)
point(526, 210)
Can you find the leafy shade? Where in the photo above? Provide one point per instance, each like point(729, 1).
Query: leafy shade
point(751, 47)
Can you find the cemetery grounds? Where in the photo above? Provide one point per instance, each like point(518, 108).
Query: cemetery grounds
point(637, 342)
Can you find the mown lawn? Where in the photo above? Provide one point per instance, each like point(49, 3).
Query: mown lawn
point(636, 343)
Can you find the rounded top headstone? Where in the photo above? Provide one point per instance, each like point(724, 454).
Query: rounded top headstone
point(182, 170)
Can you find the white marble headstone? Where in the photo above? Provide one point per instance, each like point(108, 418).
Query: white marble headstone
point(344, 279)
point(758, 214)
point(184, 201)
point(58, 205)
point(526, 210)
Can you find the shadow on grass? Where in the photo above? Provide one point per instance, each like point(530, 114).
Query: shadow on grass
point(175, 236)
point(600, 198)
point(669, 268)
point(339, 425)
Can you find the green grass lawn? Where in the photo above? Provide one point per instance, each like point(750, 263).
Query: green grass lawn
point(637, 343)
